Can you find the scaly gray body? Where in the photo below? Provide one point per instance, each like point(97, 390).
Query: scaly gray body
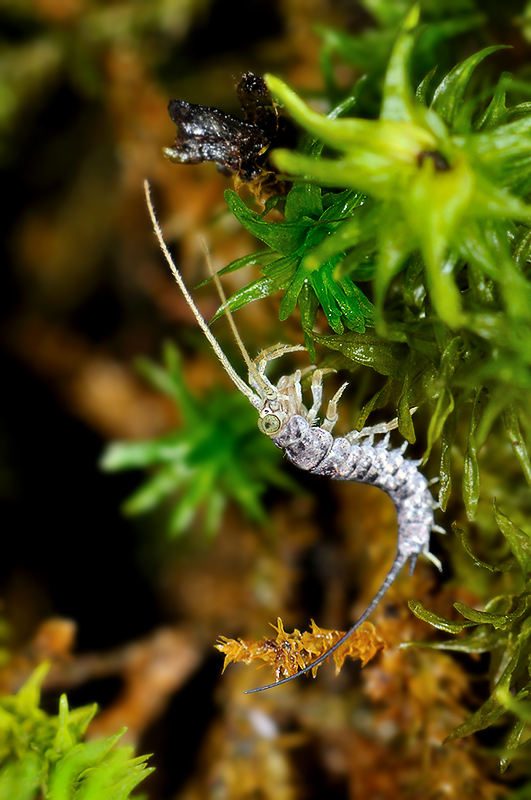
point(316, 450)
point(292, 426)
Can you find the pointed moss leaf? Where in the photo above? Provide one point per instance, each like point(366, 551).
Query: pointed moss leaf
point(64, 738)
point(113, 781)
point(254, 259)
point(445, 471)
point(397, 101)
point(303, 200)
point(367, 349)
point(395, 244)
point(185, 508)
point(512, 424)
point(505, 566)
point(423, 88)
point(291, 295)
point(482, 640)
point(470, 461)
point(114, 778)
point(435, 620)
point(513, 740)
point(514, 703)
point(284, 237)
point(341, 205)
point(496, 112)
point(504, 152)
point(448, 97)
point(493, 708)
point(359, 228)
point(498, 621)
point(80, 718)
point(405, 404)
point(379, 174)
point(400, 141)
point(443, 409)
point(164, 483)
point(435, 206)
point(326, 295)
point(348, 299)
point(308, 305)
point(72, 725)
point(136, 455)
point(470, 479)
point(29, 696)
point(168, 379)
point(519, 541)
point(346, 105)
point(489, 713)
point(358, 310)
point(257, 290)
point(486, 244)
point(214, 509)
point(65, 772)
point(378, 400)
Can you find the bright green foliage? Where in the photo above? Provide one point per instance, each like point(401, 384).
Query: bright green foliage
point(42, 756)
point(502, 629)
point(435, 215)
point(310, 218)
point(440, 180)
point(217, 455)
point(369, 49)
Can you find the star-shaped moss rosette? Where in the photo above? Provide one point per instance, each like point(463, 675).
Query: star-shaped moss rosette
point(438, 180)
point(218, 455)
point(46, 756)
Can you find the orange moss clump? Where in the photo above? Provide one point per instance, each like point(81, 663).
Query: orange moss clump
point(291, 652)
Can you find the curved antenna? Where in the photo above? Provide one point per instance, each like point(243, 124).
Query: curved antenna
point(227, 366)
point(251, 366)
point(397, 565)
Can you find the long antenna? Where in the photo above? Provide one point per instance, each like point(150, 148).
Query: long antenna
point(251, 366)
point(227, 366)
point(398, 563)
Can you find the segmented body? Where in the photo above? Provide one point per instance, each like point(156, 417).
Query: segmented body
point(293, 428)
point(356, 458)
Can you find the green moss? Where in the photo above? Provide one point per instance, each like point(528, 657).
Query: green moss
point(45, 756)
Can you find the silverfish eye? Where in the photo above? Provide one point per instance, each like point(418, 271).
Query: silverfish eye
point(270, 424)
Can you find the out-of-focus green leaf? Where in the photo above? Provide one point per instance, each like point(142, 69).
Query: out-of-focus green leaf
point(435, 620)
point(218, 455)
point(42, 755)
point(448, 97)
point(505, 566)
point(493, 708)
point(498, 621)
point(513, 740)
point(512, 424)
point(519, 541)
point(470, 462)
